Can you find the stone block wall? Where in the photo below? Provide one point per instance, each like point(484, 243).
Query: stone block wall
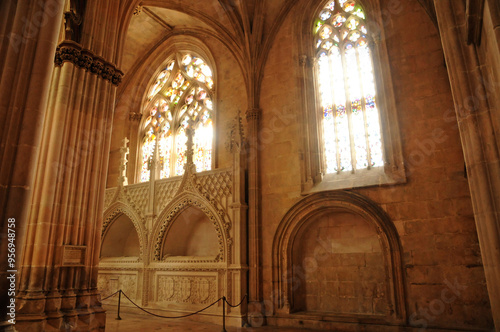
point(340, 267)
point(432, 211)
point(444, 282)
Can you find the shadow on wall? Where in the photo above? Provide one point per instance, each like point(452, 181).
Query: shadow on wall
point(192, 234)
point(121, 239)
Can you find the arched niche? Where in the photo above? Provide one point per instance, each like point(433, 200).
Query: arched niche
point(339, 247)
point(169, 216)
point(339, 266)
point(191, 235)
point(121, 239)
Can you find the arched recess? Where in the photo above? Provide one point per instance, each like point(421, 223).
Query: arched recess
point(121, 240)
point(175, 209)
point(191, 235)
point(302, 215)
point(113, 213)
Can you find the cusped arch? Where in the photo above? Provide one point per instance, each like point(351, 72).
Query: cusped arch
point(174, 209)
point(317, 204)
point(114, 211)
point(145, 70)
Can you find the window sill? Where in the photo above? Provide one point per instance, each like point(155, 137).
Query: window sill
point(378, 176)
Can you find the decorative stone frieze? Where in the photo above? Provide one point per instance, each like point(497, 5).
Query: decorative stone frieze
point(181, 280)
point(186, 289)
point(73, 52)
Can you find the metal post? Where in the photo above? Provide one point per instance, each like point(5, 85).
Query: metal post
point(224, 314)
point(119, 301)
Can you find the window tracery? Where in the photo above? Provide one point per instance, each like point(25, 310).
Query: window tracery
point(350, 119)
point(180, 96)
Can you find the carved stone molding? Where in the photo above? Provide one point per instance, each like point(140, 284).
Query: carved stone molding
point(137, 10)
point(216, 186)
point(134, 196)
point(172, 215)
point(165, 191)
point(236, 135)
point(186, 289)
point(72, 23)
point(73, 19)
point(113, 212)
point(305, 60)
point(109, 197)
point(253, 114)
point(73, 52)
point(135, 116)
point(108, 283)
point(336, 201)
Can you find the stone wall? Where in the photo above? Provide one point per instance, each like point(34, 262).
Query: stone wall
point(432, 211)
point(340, 267)
point(443, 281)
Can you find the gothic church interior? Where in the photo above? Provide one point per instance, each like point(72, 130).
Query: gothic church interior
point(332, 165)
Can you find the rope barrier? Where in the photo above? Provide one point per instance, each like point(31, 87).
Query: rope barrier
point(107, 297)
point(191, 314)
point(223, 298)
point(234, 306)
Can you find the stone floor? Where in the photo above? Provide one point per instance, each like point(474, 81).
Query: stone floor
point(139, 322)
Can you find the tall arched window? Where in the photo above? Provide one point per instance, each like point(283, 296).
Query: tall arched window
point(182, 91)
point(351, 132)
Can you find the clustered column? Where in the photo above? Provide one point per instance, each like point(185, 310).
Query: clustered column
point(58, 280)
point(28, 38)
point(254, 311)
point(475, 122)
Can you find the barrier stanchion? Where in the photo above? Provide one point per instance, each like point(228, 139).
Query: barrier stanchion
point(224, 314)
point(119, 301)
point(223, 298)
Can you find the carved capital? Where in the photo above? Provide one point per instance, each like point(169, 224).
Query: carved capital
point(73, 52)
point(253, 114)
point(375, 40)
point(85, 60)
point(304, 60)
point(135, 116)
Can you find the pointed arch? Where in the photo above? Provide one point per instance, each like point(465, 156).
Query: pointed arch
point(181, 95)
point(350, 119)
point(314, 205)
point(111, 215)
point(168, 216)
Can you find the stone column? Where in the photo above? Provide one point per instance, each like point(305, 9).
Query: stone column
point(238, 148)
point(308, 159)
point(124, 152)
point(28, 39)
point(58, 282)
point(134, 122)
point(477, 133)
point(254, 291)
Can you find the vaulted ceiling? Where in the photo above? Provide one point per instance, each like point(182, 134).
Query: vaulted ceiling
point(246, 27)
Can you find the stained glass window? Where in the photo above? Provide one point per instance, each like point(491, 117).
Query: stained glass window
point(182, 91)
point(350, 120)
